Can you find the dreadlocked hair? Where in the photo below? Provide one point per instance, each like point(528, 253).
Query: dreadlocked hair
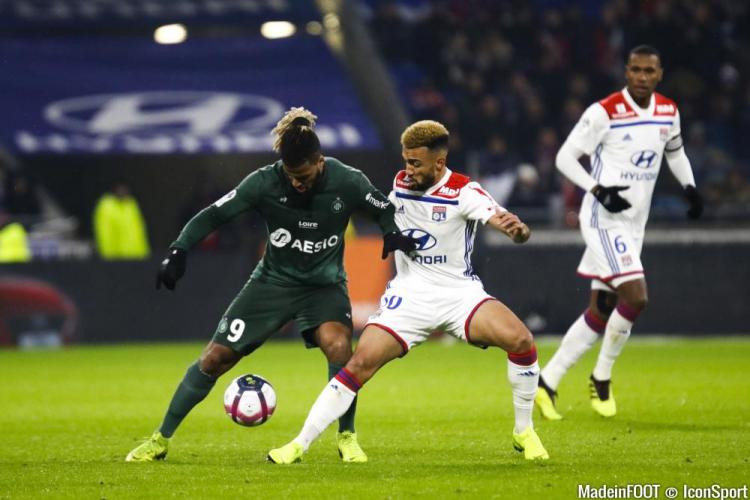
point(296, 140)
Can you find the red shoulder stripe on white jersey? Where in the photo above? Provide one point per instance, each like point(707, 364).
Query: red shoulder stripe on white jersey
point(617, 107)
point(664, 106)
point(452, 188)
point(398, 181)
point(481, 191)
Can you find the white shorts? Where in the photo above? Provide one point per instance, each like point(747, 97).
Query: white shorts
point(612, 257)
point(412, 315)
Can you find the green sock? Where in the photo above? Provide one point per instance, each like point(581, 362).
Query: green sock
point(346, 422)
point(194, 387)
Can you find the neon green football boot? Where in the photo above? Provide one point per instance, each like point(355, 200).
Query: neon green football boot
point(602, 398)
point(153, 448)
point(530, 444)
point(349, 449)
point(288, 454)
point(545, 401)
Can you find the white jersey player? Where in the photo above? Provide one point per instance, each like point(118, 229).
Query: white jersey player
point(435, 290)
point(626, 135)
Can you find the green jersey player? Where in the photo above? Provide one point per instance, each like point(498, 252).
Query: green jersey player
point(306, 200)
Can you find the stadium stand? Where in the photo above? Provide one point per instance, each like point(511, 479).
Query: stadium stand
point(510, 78)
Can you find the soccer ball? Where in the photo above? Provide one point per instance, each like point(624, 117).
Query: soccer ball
point(250, 400)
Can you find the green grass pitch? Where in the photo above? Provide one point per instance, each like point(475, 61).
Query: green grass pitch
point(435, 424)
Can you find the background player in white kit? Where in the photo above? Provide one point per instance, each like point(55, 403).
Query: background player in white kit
point(625, 135)
point(435, 290)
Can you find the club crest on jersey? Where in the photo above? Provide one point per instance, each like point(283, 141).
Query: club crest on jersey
point(663, 134)
point(439, 213)
point(337, 206)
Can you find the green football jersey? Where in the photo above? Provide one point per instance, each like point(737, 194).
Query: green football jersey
point(305, 241)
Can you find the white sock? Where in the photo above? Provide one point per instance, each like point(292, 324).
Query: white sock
point(577, 341)
point(523, 381)
point(330, 405)
point(615, 336)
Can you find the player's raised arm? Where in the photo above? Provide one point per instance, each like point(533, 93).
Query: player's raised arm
point(236, 201)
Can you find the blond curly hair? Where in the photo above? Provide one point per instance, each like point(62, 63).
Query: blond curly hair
point(286, 121)
point(427, 133)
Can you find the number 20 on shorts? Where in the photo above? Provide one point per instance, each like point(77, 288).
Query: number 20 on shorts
point(392, 301)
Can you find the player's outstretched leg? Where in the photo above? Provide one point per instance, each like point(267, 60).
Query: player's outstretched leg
point(198, 381)
point(375, 349)
point(346, 438)
point(330, 405)
point(334, 339)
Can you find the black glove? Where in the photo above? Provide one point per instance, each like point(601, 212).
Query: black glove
point(396, 241)
point(172, 268)
point(610, 197)
point(696, 202)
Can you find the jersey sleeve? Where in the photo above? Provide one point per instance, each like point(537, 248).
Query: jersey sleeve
point(590, 129)
point(674, 142)
point(240, 199)
point(374, 204)
point(476, 204)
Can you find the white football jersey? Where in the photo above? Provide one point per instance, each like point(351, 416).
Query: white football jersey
point(444, 220)
point(625, 144)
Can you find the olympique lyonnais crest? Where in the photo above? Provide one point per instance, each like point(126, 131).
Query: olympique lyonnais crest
point(663, 133)
point(439, 213)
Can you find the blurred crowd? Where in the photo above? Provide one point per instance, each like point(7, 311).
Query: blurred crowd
point(510, 78)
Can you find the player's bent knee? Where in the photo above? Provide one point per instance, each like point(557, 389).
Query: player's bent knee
point(638, 303)
point(217, 360)
point(362, 368)
point(338, 351)
point(523, 341)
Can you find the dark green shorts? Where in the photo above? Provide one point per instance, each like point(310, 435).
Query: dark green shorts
point(261, 309)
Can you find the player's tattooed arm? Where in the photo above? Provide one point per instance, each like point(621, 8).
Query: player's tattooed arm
point(509, 224)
